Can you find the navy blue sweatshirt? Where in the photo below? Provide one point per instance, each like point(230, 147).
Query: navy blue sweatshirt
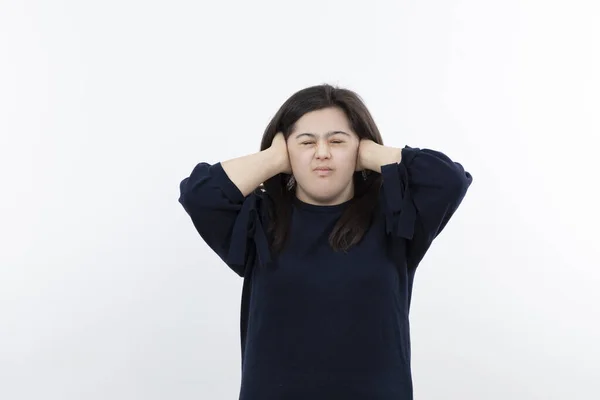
point(315, 323)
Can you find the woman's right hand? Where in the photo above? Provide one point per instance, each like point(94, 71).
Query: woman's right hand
point(279, 148)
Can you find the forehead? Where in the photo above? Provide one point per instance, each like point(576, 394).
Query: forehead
point(322, 121)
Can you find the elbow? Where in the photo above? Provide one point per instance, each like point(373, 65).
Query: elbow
point(189, 197)
point(183, 193)
point(190, 186)
point(459, 183)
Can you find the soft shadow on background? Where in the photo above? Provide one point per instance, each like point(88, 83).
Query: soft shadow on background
point(107, 291)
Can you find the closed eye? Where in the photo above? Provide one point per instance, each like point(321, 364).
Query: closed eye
point(333, 141)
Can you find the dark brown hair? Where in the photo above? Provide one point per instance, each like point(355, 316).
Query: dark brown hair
point(356, 218)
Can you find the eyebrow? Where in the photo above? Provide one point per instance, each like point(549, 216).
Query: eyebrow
point(328, 134)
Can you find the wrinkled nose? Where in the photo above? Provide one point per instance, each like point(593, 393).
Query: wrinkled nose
point(322, 151)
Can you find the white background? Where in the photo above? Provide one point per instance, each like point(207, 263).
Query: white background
point(107, 291)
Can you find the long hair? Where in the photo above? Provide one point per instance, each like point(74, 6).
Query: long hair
point(356, 218)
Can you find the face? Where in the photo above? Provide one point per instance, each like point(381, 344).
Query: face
point(322, 151)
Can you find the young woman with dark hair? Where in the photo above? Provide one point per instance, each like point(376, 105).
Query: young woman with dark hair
point(327, 226)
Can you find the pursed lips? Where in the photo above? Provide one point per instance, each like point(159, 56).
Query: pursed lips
point(323, 171)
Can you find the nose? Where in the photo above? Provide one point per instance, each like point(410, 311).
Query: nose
point(322, 151)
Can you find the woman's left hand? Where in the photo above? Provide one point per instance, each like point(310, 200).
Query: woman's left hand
point(365, 148)
point(373, 156)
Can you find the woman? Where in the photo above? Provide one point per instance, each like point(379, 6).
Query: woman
point(326, 225)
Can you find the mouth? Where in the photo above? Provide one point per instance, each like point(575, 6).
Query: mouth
point(323, 171)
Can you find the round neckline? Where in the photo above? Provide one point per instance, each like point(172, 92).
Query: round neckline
point(320, 208)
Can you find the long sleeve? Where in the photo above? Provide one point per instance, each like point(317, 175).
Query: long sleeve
point(419, 196)
point(229, 223)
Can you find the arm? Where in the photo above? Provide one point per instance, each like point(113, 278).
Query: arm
point(422, 189)
point(373, 156)
point(248, 172)
point(223, 209)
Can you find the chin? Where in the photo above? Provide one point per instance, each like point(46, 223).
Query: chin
point(325, 195)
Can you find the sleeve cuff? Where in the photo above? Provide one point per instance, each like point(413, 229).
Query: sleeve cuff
point(226, 184)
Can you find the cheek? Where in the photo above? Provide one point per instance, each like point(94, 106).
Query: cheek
point(347, 158)
point(299, 158)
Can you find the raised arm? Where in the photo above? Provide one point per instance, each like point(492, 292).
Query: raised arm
point(223, 209)
point(248, 172)
point(421, 190)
